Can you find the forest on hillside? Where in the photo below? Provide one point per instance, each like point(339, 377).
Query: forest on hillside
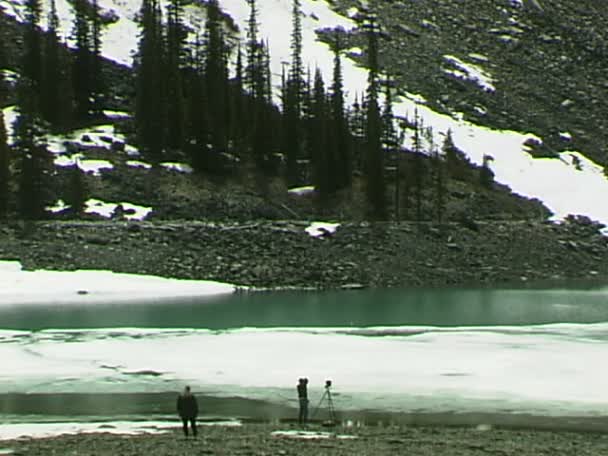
point(209, 98)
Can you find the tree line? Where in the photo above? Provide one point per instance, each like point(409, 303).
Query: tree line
point(203, 95)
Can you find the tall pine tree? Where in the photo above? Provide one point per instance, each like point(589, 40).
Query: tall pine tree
point(4, 166)
point(83, 61)
point(175, 56)
point(374, 154)
point(321, 152)
point(216, 80)
point(33, 160)
point(340, 130)
point(56, 99)
point(31, 61)
point(96, 77)
point(151, 100)
point(292, 108)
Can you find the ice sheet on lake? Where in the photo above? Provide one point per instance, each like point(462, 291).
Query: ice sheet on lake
point(552, 370)
point(41, 286)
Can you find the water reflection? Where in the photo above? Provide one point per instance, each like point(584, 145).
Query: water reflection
point(415, 307)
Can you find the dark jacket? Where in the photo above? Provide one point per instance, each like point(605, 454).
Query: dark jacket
point(302, 390)
point(187, 407)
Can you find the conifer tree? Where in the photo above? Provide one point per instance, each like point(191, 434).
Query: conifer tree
point(356, 124)
point(253, 49)
point(77, 192)
point(34, 161)
point(419, 170)
point(267, 96)
point(151, 101)
point(457, 163)
point(96, 77)
point(175, 56)
point(56, 100)
point(374, 160)
point(293, 104)
point(216, 79)
point(84, 61)
point(340, 131)
point(438, 176)
point(87, 74)
point(238, 131)
point(321, 151)
point(4, 167)
point(389, 130)
point(486, 175)
point(195, 106)
point(31, 62)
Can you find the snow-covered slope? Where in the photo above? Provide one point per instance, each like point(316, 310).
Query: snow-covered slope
point(569, 185)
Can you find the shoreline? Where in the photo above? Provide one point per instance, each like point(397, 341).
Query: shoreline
point(90, 410)
point(285, 439)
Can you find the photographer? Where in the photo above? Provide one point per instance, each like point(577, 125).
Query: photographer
point(302, 388)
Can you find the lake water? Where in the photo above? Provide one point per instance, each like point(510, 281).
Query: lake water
point(511, 352)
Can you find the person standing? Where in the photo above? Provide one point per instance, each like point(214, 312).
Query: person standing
point(187, 408)
point(302, 388)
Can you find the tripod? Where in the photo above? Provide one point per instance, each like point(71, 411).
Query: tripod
point(330, 406)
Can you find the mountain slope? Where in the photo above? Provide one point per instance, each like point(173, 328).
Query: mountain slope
point(474, 68)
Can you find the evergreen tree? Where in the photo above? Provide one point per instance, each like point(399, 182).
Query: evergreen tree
point(356, 124)
point(83, 61)
point(77, 192)
point(389, 130)
point(216, 80)
point(292, 108)
point(340, 130)
point(419, 169)
point(56, 100)
point(374, 159)
point(321, 152)
point(195, 106)
point(33, 159)
point(253, 50)
point(457, 163)
point(175, 56)
point(31, 62)
point(267, 73)
point(238, 111)
point(486, 175)
point(297, 68)
point(4, 167)
point(151, 101)
point(96, 77)
point(438, 176)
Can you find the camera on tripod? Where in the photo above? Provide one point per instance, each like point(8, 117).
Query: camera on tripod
point(327, 398)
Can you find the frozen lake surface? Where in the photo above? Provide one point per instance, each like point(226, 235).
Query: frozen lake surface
point(530, 351)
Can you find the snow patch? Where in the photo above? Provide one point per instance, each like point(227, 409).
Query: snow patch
point(311, 435)
point(301, 191)
point(470, 72)
point(57, 207)
point(179, 167)
point(129, 211)
point(138, 164)
point(88, 166)
point(320, 229)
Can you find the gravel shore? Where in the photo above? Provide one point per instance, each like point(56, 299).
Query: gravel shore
point(275, 254)
point(278, 439)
